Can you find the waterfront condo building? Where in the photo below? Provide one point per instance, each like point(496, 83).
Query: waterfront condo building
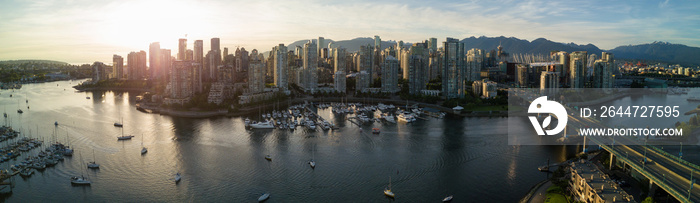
point(280, 66)
point(118, 66)
point(390, 75)
point(309, 71)
point(453, 78)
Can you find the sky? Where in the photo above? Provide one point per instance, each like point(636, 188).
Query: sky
point(85, 31)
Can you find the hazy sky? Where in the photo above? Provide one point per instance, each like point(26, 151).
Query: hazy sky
point(84, 31)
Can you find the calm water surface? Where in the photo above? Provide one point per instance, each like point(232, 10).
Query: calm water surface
point(222, 161)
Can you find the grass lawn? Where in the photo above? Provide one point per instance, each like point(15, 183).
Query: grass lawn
point(555, 198)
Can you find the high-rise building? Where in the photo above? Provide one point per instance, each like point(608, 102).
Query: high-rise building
point(377, 42)
point(319, 45)
point(155, 67)
point(242, 64)
point(362, 81)
point(189, 56)
point(339, 81)
point(99, 72)
point(181, 80)
point(166, 62)
point(215, 44)
point(182, 49)
point(522, 77)
point(577, 72)
point(136, 61)
point(563, 58)
point(366, 60)
point(475, 61)
point(603, 71)
point(256, 76)
point(432, 44)
point(453, 78)
point(417, 59)
point(280, 66)
point(549, 80)
point(310, 79)
point(199, 51)
point(339, 63)
point(118, 66)
point(390, 75)
point(196, 79)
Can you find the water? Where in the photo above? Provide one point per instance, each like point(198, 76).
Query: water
point(222, 161)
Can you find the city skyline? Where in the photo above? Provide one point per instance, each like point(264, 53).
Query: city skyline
point(95, 31)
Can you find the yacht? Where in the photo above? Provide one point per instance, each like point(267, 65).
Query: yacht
point(389, 118)
point(79, 180)
point(263, 125)
point(26, 172)
point(405, 117)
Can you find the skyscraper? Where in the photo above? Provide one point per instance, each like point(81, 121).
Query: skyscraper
point(198, 51)
point(377, 42)
point(417, 59)
point(99, 72)
point(390, 75)
point(118, 66)
point(154, 61)
point(475, 60)
point(182, 49)
point(310, 64)
point(136, 61)
point(339, 59)
point(577, 72)
point(339, 81)
point(180, 80)
point(280, 67)
point(603, 70)
point(453, 78)
point(319, 45)
point(166, 60)
point(549, 80)
point(432, 44)
point(215, 44)
point(366, 60)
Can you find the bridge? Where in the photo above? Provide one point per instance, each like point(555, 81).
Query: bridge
point(663, 170)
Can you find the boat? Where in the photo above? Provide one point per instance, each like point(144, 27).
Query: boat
point(405, 117)
point(87, 97)
point(26, 172)
point(264, 197)
point(178, 177)
point(247, 122)
point(79, 180)
point(694, 99)
point(447, 199)
point(118, 124)
point(262, 125)
point(93, 164)
point(268, 157)
point(312, 163)
point(125, 137)
point(375, 131)
point(387, 191)
point(20, 111)
point(143, 149)
point(55, 123)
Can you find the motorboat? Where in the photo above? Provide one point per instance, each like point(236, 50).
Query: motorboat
point(79, 180)
point(264, 197)
point(447, 199)
point(26, 172)
point(375, 131)
point(312, 163)
point(247, 122)
point(178, 177)
point(268, 157)
point(144, 150)
point(694, 99)
point(263, 125)
point(125, 137)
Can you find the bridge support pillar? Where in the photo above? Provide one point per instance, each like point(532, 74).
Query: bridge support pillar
point(652, 189)
point(611, 161)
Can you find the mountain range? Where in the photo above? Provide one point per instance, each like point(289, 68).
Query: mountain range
point(656, 51)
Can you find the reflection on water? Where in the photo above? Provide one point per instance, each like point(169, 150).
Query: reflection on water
point(222, 161)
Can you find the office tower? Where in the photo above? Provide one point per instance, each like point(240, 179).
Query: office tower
point(182, 49)
point(280, 66)
point(319, 45)
point(432, 44)
point(166, 60)
point(310, 64)
point(99, 72)
point(226, 52)
point(256, 76)
point(136, 61)
point(563, 58)
point(215, 43)
point(417, 59)
point(577, 72)
point(377, 42)
point(154, 61)
point(453, 78)
point(390, 75)
point(180, 80)
point(118, 66)
point(198, 51)
point(522, 75)
point(475, 61)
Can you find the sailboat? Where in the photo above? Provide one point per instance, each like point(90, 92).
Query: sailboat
point(124, 137)
point(312, 163)
point(75, 180)
point(119, 124)
point(143, 149)
point(93, 164)
point(388, 191)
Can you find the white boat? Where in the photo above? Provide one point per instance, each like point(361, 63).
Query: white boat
point(93, 164)
point(447, 199)
point(387, 191)
point(405, 117)
point(26, 172)
point(262, 125)
point(79, 181)
point(312, 163)
point(268, 157)
point(247, 122)
point(389, 118)
point(178, 177)
point(264, 197)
